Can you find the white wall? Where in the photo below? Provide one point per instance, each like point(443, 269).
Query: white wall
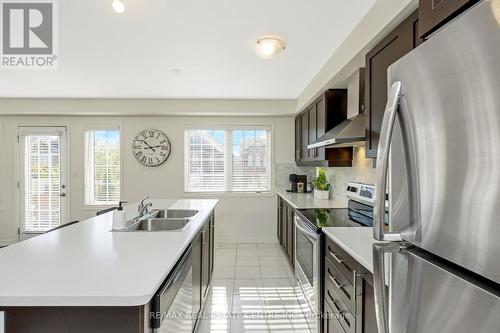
point(239, 218)
point(384, 16)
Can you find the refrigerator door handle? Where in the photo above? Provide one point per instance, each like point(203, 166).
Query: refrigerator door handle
point(384, 144)
point(379, 283)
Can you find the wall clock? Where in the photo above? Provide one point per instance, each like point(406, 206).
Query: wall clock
point(151, 147)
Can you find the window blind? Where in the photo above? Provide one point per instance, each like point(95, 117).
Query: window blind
point(42, 166)
point(102, 181)
point(228, 160)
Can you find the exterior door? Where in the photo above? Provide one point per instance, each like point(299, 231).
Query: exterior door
point(43, 198)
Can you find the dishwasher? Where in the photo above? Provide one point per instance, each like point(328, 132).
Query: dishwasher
point(172, 305)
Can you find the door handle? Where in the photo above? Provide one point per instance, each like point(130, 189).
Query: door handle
point(307, 233)
point(379, 283)
point(62, 194)
point(384, 144)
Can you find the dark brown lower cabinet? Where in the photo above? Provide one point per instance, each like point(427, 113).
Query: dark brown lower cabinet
point(212, 244)
point(348, 293)
point(366, 305)
point(280, 224)
point(290, 220)
point(286, 228)
point(205, 261)
point(76, 319)
point(330, 322)
point(196, 260)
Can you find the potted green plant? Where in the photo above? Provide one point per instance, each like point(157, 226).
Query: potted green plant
point(321, 185)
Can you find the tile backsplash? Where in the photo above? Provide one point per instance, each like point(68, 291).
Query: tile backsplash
point(361, 171)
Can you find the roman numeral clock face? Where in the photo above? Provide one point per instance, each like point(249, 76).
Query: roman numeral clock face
point(151, 147)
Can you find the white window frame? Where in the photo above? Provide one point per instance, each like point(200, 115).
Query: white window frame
point(228, 161)
point(87, 196)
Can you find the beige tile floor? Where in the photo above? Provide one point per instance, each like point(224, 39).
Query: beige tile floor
point(253, 290)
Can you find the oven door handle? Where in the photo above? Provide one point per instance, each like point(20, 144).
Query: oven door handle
point(298, 224)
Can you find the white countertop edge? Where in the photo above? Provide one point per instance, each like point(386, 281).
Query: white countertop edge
point(349, 247)
point(205, 207)
point(75, 301)
point(308, 201)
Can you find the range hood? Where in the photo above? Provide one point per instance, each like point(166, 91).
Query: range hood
point(350, 132)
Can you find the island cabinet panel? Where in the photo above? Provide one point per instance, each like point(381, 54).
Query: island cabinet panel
point(76, 319)
point(202, 261)
point(196, 248)
point(433, 14)
point(205, 269)
point(348, 293)
point(212, 244)
point(395, 45)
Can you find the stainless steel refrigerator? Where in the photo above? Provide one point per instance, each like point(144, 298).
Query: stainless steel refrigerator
point(439, 158)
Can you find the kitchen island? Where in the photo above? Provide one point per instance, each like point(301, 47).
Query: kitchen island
point(86, 278)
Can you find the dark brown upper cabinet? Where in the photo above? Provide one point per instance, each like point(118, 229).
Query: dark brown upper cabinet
point(326, 112)
point(395, 45)
point(433, 14)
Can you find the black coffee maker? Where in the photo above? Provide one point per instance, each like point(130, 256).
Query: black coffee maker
point(295, 180)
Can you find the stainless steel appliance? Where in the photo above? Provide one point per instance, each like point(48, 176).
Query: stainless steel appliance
point(173, 304)
point(309, 241)
point(351, 131)
point(295, 180)
point(307, 265)
point(440, 145)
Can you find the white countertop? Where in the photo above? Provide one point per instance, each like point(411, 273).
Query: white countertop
point(307, 200)
point(357, 241)
point(87, 265)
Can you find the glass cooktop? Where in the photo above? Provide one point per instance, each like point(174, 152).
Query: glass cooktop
point(335, 217)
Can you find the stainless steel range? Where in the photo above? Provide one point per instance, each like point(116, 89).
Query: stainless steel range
point(309, 240)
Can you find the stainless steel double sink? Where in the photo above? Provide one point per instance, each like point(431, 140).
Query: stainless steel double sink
point(163, 220)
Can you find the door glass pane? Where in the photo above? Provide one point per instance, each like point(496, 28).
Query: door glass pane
point(42, 182)
point(305, 253)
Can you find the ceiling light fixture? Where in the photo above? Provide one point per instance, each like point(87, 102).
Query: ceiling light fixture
point(267, 47)
point(118, 6)
point(176, 71)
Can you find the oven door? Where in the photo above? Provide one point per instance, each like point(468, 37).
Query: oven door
point(307, 244)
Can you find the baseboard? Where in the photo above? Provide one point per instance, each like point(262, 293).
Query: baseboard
point(246, 240)
point(6, 242)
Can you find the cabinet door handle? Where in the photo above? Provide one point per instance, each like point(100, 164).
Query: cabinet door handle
point(335, 304)
point(337, 258)
point(340, 261)
point(334, 280)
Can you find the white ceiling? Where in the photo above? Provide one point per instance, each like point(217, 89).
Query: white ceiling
point(103, 54)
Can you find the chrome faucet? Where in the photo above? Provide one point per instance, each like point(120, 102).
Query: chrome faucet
point(143, 208)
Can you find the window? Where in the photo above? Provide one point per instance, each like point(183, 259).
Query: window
point(227, 160)
point(102, 167)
